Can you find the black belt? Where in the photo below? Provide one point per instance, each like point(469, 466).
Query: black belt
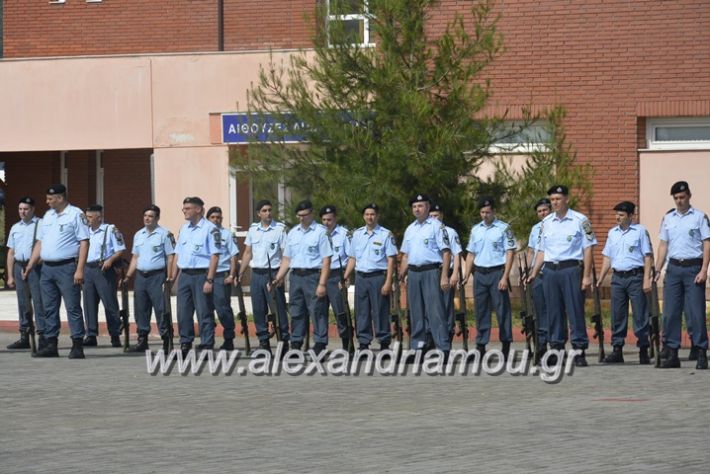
point(194, 271)
point(371, 274)
point(628, 273)
point(223, 274)
point(261, 271)
point(150, 273)
point(94, 264)
point(688, 262)
point(563, 264)
point(305, 271)
point(423, 268)
point(57, 263)
point(485, 270)
point(22, 263)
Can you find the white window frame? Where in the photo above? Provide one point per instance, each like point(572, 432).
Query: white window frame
point(501, 148)
point(653, 123)
point(56, 1)
point(364, 17)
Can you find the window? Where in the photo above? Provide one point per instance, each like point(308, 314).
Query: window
point(515, 136)
point(691, 133)
point(347, 22)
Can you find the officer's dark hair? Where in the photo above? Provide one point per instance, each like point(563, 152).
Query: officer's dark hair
point(543, 202)
point(262, 203)
point(95, 208)
point(214, 210)
point(153, 208)
point(626, 206)
point(27, 200)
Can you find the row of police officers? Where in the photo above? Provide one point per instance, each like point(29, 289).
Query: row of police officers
point(53, 258)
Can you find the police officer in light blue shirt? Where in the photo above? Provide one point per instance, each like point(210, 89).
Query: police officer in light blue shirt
point(426, 249)
point(308, 255)
point(20, 242)
point(543, 207)
point(153, 255)
point(566, 251)
point(198, 248)
point(225, 278)
point(437, 212)
point(628, 252)
point(263, 248)
point(490, 248)
point(340, 242)
point(106, 247)
point(63, 244)
point(372, 256)
point(685, 240)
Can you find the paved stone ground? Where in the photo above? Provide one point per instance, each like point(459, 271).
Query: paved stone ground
point(106, 414)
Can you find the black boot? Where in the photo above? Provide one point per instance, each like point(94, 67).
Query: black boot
point(318, 348)
point(694, 350)
point(266, 345)
point(672, 362)
point(227, 345)
point(23, 342)
point(481, 348)
point(540, 353)
point(167, 342)
point(346, 342)
point(41, 342)
point(185, 348)
point(616, 357)
point(142, 344)
point(384, 345)
point(49, 349)
point(77, 349)
point(665, 352)
point(505, 350)
point(90, 341)
point(702, 360)
point(116, 342)
point(643, 356)
point(580, 360)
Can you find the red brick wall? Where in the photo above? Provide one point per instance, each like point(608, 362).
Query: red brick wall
point(37, 28)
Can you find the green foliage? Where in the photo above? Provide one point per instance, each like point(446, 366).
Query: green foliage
point(409, 105)
point(556, 163)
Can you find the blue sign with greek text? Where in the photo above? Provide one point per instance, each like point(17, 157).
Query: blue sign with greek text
point(242, 128)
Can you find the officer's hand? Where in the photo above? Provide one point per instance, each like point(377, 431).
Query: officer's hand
point(26, 272)
point(444, 283)
point(207, 288)
point(599, 283)
point(106, 266)
point(386, 289)
point(503, 284)
point(454, 281)
point(229, 280)
point(464, 281)
point(586, 283)
point(700, 278)
point(277, 283)
point(647, 285)
point(79, 277)
point(320, 290)
point(10, 282)
point(657, 276)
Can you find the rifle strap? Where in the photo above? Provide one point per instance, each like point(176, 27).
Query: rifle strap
point(103, 244)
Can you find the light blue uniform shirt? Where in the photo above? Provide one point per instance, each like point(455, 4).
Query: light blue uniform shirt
point(197, 243)
point(266, 243)
point(307, 247)
point(489, 243)
point(425, 242)
point(228, 250)
point(114, 242)
point(371, 249)
point(566, 238)
point(685, 233)
point(534, 239)
point(152, 248)
point(22, 236)
point(626, 248)
point(62, 232)
point(454, 244)
point(340, 241)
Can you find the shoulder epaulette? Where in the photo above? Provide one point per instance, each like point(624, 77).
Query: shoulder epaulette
point(670, 210)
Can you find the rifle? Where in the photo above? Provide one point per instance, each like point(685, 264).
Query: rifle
point(597, 316)
point(527, 308)
point(167, 317)
point(273, 317)
point(655, 320)
point(346, 309)
point(460, 316)
point(242, 315)
point(123, 315)
point(396, 309)
point(30, 316)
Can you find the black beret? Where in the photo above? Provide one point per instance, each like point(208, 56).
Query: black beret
point(625, 206)
point(262, 203)
point(485, 202)
point(419, 198)
point(679, 187)
point(214, 210)
point(542, 202)
point(57, 189)
point(193, 200)
point(153, 208)
point(372, 206)
point(436, 207)
point(558, 189)
point(327, 210)
point(27, 200)
point(95, 208)
point(304, 206)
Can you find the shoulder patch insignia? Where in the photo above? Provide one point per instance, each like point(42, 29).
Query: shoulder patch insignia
point(216, 237)
point(445, 235)
point(707, 221)
point(119, 236)
point(171, 237)
point(456, 238)
point(587, 227)
point(234, 239)
point(83, 218)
